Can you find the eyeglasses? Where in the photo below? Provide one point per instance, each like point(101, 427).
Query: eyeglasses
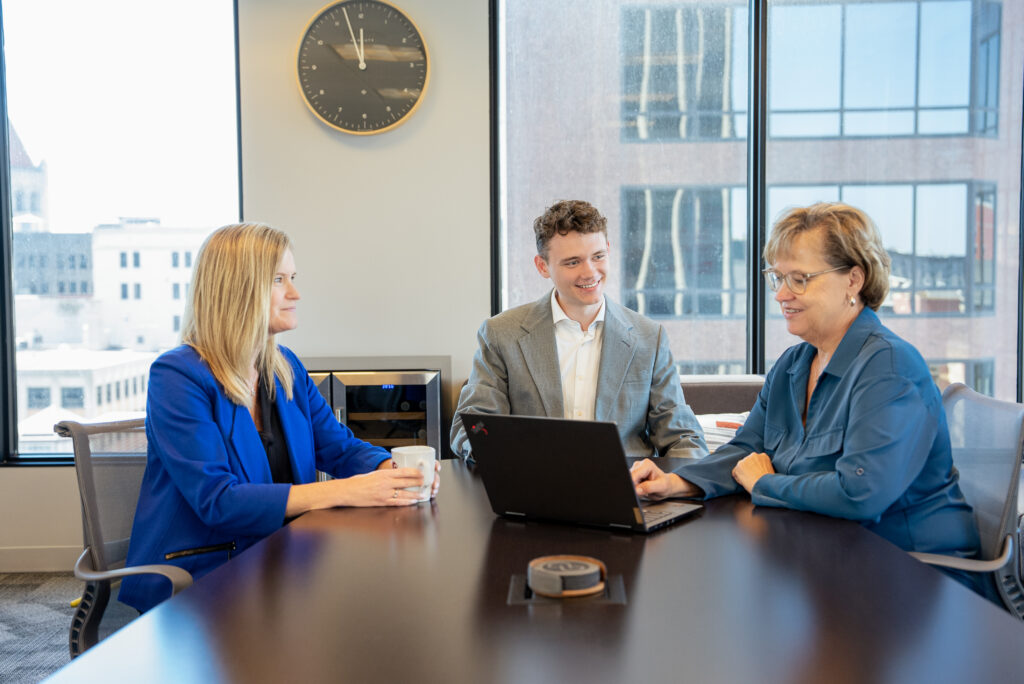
point(796, 282)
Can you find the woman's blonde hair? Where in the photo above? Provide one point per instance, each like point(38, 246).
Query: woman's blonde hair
point(227, 317)
point(850, 239)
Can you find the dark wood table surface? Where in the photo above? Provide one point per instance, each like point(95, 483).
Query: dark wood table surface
point(738, 594)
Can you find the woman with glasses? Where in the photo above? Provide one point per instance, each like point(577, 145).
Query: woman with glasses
point(849, 423)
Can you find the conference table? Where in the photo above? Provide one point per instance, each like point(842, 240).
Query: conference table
point(436, 593)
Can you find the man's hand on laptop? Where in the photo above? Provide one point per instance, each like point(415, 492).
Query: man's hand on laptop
point(653, 483)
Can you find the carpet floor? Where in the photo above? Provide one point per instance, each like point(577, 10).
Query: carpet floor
point(35, 617)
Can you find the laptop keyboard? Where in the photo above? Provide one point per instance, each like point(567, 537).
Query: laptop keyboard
point(653, 517)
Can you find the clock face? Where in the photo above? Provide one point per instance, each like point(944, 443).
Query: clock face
point(363, 66)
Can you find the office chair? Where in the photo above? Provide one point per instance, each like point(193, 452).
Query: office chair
point(987, 436)
point(110, 459)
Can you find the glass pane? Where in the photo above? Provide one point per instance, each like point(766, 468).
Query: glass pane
point(658, 150)
point(122, 152)
point(945, 53)
point(876, 35)
point(947, 207)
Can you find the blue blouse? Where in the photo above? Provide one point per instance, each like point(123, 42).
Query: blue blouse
point(875, 447)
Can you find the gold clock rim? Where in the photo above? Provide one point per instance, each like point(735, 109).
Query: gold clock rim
point(305, 100)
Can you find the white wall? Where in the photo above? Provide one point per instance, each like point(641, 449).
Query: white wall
point(391, 231)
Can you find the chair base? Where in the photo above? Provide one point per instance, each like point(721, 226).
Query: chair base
point(85, 623)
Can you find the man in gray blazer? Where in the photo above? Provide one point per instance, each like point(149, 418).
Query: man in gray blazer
point(575, 353)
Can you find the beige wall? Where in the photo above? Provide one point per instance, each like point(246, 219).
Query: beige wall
point(391, 232)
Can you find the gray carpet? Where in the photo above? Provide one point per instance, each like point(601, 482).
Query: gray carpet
point(35, 618)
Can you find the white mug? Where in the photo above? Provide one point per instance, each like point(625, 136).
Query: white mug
point(420, 457)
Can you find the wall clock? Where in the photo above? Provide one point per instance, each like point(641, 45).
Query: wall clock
point(363, 66)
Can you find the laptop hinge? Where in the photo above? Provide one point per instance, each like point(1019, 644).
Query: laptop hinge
point(521, 515)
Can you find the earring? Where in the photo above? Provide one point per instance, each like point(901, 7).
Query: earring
point(853, 301)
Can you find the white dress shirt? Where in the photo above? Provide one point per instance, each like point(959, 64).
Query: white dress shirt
point(579, 360)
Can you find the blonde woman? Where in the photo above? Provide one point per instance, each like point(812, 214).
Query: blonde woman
point(236, 427)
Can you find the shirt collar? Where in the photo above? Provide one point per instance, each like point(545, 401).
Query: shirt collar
point(558, 315)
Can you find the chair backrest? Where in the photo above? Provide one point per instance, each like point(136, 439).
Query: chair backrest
point(110, 459)
point(720, 393)
point(987, 436)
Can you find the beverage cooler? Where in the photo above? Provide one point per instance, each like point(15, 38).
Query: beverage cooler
point(387, 408)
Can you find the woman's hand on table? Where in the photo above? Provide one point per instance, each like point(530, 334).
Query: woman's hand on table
point(384, 486)
point(752, 468)
point(652, 482)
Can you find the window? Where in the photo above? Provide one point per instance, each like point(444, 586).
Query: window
point(188, 259)
point(75, 175)
point(38, 397)
point(898, 107)
point(176, 325)
point(174, 260)
point(72, 397)
point(176, 291)
point(899, 68)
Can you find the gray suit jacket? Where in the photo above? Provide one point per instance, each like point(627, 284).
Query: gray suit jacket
point(515, 371)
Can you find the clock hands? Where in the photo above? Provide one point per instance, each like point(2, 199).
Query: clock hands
point(358, 46)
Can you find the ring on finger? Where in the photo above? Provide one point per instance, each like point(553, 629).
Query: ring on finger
point(394, 494)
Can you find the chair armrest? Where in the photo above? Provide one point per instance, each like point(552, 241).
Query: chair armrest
point(969, 564)
point(179, 577)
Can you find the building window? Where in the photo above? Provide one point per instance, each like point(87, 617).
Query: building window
point(60, 287)
point(117, 390)
point(85, 287)
point(900, 68)
point(72, 397)
point(109, 391)
point(72, 262)
point(177, 324)
point(124, 290)
point(188, 259)
point(135, 386)
point(136, 260)
point(978, 374)
point(138, 290)
point(38, 397)
point(684, 251)
point(83, 261)
point(124, 259)
point(684, 247)
point(176, 291)
point(99, 396)
point(174, 259)
point(72, 287)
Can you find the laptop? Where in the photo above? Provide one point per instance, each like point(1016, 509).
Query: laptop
point(571, 471)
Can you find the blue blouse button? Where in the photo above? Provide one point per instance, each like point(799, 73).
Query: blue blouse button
point(860, 471)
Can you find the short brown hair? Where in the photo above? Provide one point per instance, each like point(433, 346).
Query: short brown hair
point(851, 239)
point(564, 217)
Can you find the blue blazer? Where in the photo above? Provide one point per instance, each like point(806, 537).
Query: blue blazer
point(207, 493)
point(875, 447)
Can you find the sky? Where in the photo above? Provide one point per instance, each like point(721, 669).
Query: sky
point(130, 104)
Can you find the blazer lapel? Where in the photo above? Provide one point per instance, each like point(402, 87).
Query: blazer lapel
point(541, 355)
point(618, 345)
point(246, 444)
